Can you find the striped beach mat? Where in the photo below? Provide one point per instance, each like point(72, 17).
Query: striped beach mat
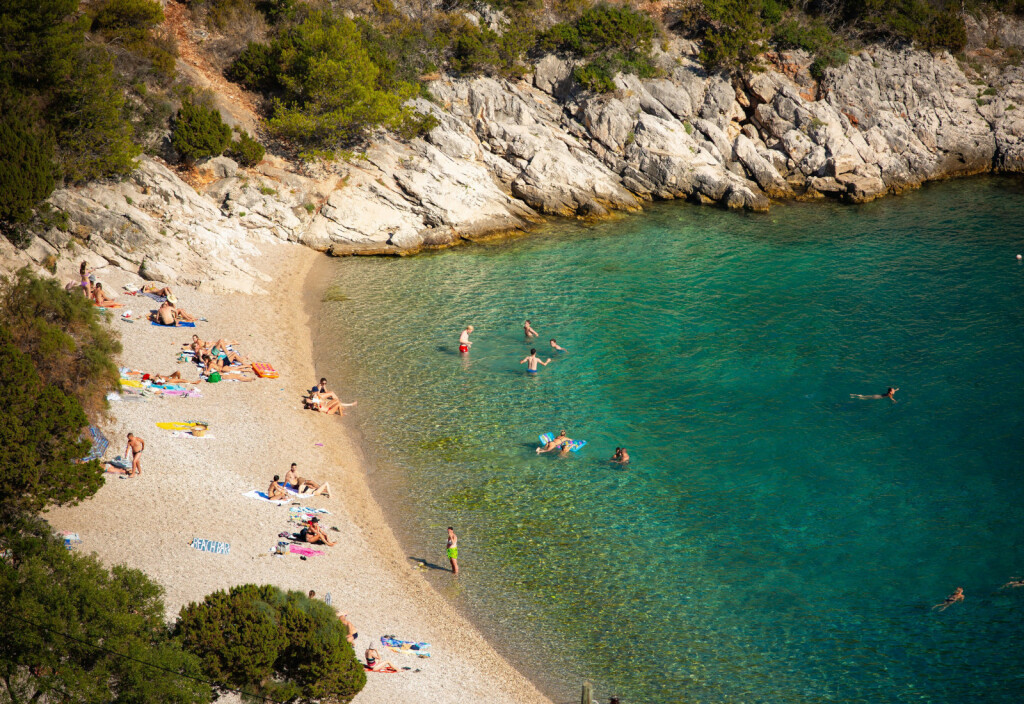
point(99, 444)
point(213, 546)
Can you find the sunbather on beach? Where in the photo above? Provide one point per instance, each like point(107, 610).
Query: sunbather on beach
point(956, 596)
point(317, 402)
point(321, 389)
point(889, 393)
point(165, 315)
point(175, 378)
point(182, 315)
point(197, 346)
point(293, 481)
point(555, 443)
point(276, 492)
point(99, 297)
point(220, 349)
point(164, 292)
point(314, 533)
point(136, 445)
point(352, 632)
point(375, 664)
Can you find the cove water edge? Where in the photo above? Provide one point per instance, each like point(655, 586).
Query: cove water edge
point(772, 539)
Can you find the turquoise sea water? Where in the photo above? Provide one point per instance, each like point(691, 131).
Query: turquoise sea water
point(772, 539)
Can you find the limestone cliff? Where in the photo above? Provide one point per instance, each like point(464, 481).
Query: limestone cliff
point(506, 154)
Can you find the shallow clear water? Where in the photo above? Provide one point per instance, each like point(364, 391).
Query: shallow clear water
point(772, 539)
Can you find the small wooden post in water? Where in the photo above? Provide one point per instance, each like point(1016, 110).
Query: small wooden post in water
point(588, 693)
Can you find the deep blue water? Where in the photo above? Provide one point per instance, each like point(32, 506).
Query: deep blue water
point(772, 540)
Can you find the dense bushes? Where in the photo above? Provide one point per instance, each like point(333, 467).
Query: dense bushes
point(280, 645)
point(27, 168)
point(75, 631)
point(61, 332)
point(199, 132)
point(611, 39)
point(327, 91)
point(74, 85)
point(246, 150)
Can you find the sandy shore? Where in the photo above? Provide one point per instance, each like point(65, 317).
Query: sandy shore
point(192, 488)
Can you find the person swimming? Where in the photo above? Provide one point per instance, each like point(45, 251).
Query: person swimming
point(555, 346)
point(956, 596)
point(889, 394)
point(532, 360)
point(556, 443)
point(528, 330)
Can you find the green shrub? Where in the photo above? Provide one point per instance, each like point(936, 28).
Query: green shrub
point(62, 334)
point(735, 34)
point(611, 39)
point(256, 68)
point(246, 150)
point(280, 645)
point(127, 18)
point(331, 97)
point(199, 132)
point(72, 628)
point(27, 169)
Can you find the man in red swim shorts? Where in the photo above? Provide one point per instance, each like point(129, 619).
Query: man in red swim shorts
point(464, 343)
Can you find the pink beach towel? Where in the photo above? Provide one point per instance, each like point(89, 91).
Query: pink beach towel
point(307, 552)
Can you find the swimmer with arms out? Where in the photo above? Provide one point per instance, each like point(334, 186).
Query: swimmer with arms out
point(956, 596)
point(556, 443)
point(528, 330)
point(556, 347)
point(889, 394)
point(531, 361)
point(464, 343)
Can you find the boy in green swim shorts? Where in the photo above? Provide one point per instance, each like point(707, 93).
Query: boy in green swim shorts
point(453, 550)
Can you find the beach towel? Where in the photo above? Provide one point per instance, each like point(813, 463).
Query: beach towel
point(120, 463)
point(264, 370)
point(382, 670)
point(186, 434)
point(99, 444)
point(213, 546)
point(262, 496)
point(405, 646)
point(180, 325)
point(158, 299)
point(183, 393)
point(307, 509)
point(109, 305)
point(305, 552)
point(132, 383)
point(181, 425)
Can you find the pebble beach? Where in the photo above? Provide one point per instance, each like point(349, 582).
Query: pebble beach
point(192, 488)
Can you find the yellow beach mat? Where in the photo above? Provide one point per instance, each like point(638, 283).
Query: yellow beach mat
point(132, 383)
point(183, 425)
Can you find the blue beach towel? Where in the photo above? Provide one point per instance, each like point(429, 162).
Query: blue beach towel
point(99, 444)
point(180, 325)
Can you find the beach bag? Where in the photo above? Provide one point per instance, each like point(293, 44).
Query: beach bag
point(214, 377)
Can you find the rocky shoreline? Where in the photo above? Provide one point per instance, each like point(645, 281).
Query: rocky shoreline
point(506, 154)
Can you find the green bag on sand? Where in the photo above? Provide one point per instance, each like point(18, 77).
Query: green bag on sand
point(214, 377)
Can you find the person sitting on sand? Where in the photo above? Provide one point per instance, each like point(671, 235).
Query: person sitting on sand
point(102, 299)
point(375, 664)
point(165, 315)
point(555, 444)
point(213, 366)
point(298, 484)
point(180, 314)
point(276, 492)
point(313, 533)
point(321, 389)
point(889, 393)
point(220, 349)
point(956, 596)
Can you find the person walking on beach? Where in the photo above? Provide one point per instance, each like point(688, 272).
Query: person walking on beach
point(556, 347)
point(464, 343)
point(889, 393)
point(956, 596)
point(453, 550)
point(529, 332)
point(532, 360)
point(136, 445)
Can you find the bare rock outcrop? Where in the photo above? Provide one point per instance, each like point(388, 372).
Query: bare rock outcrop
point(505, 154)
